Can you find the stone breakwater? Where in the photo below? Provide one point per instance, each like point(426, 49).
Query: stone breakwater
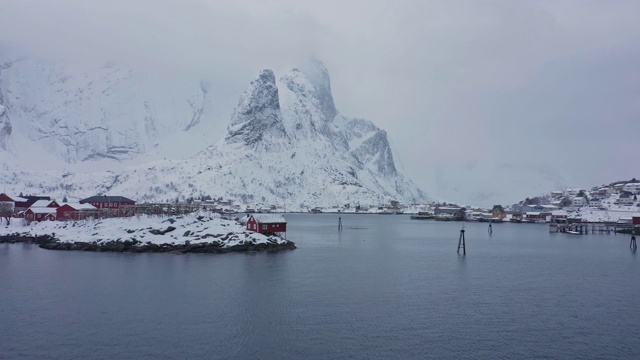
point(135, 246)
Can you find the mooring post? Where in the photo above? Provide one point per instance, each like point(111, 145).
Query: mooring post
point(490, 229)
point(339, 224)
point(632, 244)
point(461, 243)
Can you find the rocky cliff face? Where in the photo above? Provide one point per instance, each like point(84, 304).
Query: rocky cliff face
point(257, 121)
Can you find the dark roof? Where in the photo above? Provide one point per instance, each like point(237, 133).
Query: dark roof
point(36, 198)
point(498, 207)
point(105, 198)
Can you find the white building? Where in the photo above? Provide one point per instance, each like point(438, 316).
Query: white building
point(556, 194)
point(625, 199)
point(595, 202)
point(579, 201)
point(605, 191)
point(633, 188)
point(549, 208)
point(571, 192)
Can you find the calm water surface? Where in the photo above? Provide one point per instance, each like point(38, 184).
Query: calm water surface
point(386, 287)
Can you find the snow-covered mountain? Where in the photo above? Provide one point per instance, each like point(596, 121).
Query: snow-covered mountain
point(77, 112)
point(286, 143)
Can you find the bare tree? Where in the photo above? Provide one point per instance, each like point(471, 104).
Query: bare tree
point(6, 210)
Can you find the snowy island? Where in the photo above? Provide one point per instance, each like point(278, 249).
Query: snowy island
point(191, 233)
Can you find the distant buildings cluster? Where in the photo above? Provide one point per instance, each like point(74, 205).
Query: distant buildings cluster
point(43, 208)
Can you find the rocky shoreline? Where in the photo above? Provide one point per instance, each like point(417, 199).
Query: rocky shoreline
point(135, 246)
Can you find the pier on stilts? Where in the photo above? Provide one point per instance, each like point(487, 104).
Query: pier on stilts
point(585, 228)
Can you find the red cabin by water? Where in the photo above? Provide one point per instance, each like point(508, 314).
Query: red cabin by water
point(267, 224)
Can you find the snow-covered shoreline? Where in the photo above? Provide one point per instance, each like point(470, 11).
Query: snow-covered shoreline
point(185, 233)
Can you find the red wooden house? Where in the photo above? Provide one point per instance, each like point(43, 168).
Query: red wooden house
point(267, 223)
point(108, 202)
point(19, 201)
point(75, 211)
point(41, 213)
point(116, 204)
point(536, 217)
point(559, 217)
point(6, 197)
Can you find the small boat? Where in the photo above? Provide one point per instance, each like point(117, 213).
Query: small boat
point(572, 232)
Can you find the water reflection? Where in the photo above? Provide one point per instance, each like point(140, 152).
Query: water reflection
point(462, 262)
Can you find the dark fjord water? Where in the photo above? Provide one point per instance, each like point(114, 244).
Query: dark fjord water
point(387, 287)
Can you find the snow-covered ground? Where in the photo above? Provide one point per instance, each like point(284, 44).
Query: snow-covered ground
point(194, 228)
point(596, 215)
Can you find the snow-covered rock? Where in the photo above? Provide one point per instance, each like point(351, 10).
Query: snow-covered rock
point(198, 232)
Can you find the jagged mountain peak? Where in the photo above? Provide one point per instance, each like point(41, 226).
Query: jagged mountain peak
point(312, 81)
point(318, 75)
point(257, 116)
point(328, 157)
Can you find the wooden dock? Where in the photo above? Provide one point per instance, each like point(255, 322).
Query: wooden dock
point(594, 228)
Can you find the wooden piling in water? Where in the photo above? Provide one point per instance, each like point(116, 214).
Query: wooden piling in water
point(461, 243)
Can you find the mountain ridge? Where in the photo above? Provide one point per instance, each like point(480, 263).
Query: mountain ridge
point(285, 144)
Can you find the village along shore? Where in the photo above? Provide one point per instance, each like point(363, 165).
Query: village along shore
point(189, 233)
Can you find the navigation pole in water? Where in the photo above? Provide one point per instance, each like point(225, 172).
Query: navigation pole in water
point(461, 243)
point(339, 224)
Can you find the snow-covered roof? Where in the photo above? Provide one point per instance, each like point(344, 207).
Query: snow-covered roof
point(533, 213)
point(41, 203)
point(17, 198)
point(269, 218)
point(559, 213)
point(42, 210)
point(79, 206)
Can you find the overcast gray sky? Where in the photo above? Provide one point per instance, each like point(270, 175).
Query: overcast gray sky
point(484, 101)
